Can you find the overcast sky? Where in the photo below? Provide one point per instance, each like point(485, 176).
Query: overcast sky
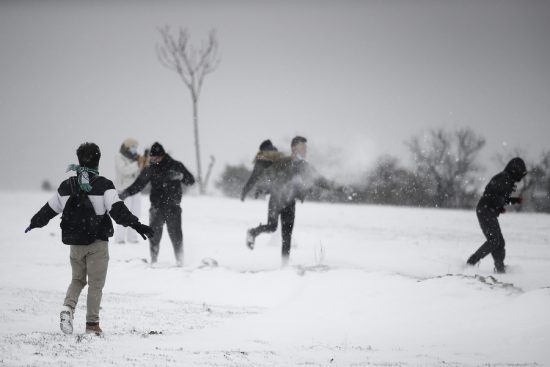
point(362, 76)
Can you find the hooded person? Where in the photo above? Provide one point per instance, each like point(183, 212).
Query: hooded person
point(166, 176)
point(496, 196)
point(127, 168)
point(86, 202)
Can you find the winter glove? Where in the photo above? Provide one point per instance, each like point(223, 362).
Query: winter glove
point(143, 230)
point(517, 200)
point(502, 210)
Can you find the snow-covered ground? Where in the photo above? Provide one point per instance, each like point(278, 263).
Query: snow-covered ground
point(367, 286)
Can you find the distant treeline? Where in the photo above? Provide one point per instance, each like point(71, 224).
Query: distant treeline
point(446, 174)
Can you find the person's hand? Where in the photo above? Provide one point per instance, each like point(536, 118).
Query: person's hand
point(143, 230)
point(502, 210)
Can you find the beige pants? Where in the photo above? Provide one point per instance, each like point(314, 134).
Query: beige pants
point(88, 262)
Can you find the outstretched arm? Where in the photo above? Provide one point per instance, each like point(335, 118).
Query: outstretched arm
point(122, 215)
point(53, 207)
point(139, 184)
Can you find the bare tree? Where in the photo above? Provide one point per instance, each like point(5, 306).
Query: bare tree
point(448, 160)
point(192, 65)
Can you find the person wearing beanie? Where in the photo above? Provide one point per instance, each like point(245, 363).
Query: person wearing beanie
point(495, 198)
point(286, 179)
point(128, 165)
point(87, 202)
point(166, 176)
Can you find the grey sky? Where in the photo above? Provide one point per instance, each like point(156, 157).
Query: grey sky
point(360, 75)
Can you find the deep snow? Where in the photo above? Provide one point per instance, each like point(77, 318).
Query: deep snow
point(367, 286)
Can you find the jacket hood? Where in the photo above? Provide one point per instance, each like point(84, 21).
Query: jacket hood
point(270, 156)
point(516, 168)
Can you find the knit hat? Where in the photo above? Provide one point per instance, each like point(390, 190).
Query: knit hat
point(157, 150)
point(267, 146)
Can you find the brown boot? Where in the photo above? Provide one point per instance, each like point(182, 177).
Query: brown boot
point(93, 328)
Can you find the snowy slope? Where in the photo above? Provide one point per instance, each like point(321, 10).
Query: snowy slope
point(367, 286)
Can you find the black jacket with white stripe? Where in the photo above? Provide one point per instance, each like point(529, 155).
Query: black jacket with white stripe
point(104, 199)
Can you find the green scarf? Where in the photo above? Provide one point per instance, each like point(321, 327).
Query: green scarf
point(83, 175)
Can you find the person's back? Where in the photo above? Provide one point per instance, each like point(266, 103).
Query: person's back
point(91, 200)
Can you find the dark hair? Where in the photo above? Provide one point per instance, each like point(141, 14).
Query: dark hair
point(88, 155)
point(297, 140)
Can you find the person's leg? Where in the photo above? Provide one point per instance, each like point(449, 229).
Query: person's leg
point(97, 261)
point(273, 211)
point(156, 221)
point(491, 229)
point(78, 282)
point(173, 223)
point(134, 204)
point(499, 252)
point(287, 225)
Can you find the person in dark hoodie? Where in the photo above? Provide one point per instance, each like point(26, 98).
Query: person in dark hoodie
point(166, 176)
point(87, 203)
point(496, 196)
point(264, 159)
point(286, 179)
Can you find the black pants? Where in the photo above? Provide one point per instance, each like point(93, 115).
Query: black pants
point(494, 245)
point(287, 213)
point(171, 215)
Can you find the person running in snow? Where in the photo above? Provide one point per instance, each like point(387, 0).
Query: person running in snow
point(264, 159)
point(87, 203)
point(128, 165)
point(496, 196)
point(166, 176)
point(286, 180)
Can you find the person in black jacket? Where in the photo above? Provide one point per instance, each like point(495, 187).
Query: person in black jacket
point(87, 202)
point(166, 176)
point(496, 196)
point(286, 180)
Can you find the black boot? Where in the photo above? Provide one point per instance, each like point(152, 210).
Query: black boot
point(472, 260)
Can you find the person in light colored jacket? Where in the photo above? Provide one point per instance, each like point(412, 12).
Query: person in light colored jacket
point(128, 165)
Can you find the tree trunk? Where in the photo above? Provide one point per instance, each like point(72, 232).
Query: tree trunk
point(197, 144)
